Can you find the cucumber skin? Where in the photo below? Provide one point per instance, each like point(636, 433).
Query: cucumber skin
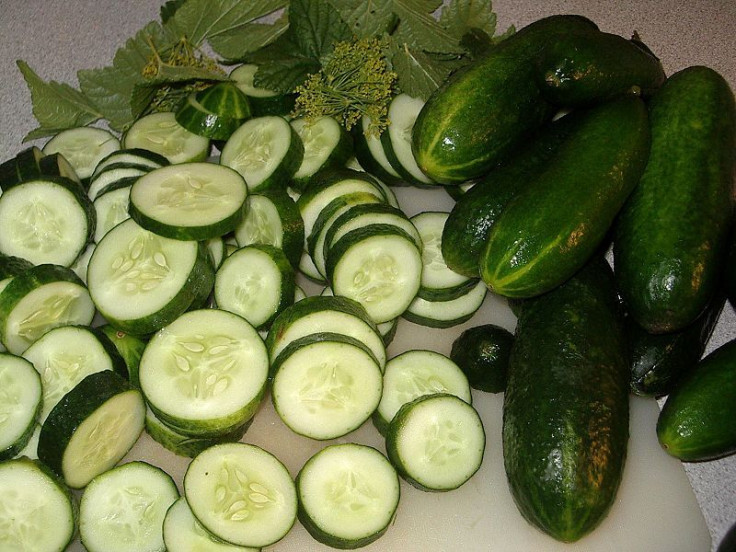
point(668, 265)
point(551, 229)
point(660, 361)
point(567, 398)
point(696, 421)
point(484, 110)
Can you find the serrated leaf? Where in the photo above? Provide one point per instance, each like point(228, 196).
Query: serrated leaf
point(203, 20)
point(56, 106)
point(236, 44)
point(285, 74)
point(458, 17)
point(169, 9)
point(367, 18)
point(315, 26)
point(418, 27)
point(420, 73)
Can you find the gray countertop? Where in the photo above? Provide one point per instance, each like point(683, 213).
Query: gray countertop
point(58, 38)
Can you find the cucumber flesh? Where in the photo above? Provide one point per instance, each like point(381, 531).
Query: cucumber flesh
point(20, 403)
point(83, 148)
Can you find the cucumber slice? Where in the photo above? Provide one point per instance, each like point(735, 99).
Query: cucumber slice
point(446, 314)
point(321, 314)
point(160, 133)
point(215, 112)
point(348, 495)
point(80, 265)
point(379, 266)
point(39, 299)
point(255, 282)
point(141, 281)
point(436, 442)
point(241, 494)
point(57, 165)
point(64, 356)
point(83, 147)
point(205, 373)
point(190, 201)
point(20, 403)
point(371, 155)
point(48, 220)
point(132, 156)
point(272, 218)
point(130, 348)
point(111, 207)
point(413, 374)
point(91, 428)
point(37, 511)
point(325, 385)
point(262, 100)
point(21, 167)
point(326, 144)
point(123, 510)
point(266, 151)
point(113, 174)
point(183, 533)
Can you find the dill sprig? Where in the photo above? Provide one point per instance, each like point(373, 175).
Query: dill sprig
point(354, 81)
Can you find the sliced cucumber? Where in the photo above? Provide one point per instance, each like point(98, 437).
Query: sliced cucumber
point(48, 220)
point(396, 140)
point(130, 348)
point(160, 133)
point(416, 373)
point(131, 156)
point(379, 266)
point(371, 155)
point(141, 281)
point(20, 404)
point(348, 495)
point(326, 144)
point(436, 442)
point(21, 167)
point(445, 314)
point(190, 201)
point(57, 165)
point(37, 511)
point(241, 494)
point(91, 428)
point(80, 265)
point(325, 385)
point(83, 147)
point(320, 314)
point(39, 299)
point(123, 509)
point(215, 112)
point(262, 100)
point(255, 282)
point(266, 151)
point(113, 174)
point(205, 373)
point(183, 533)
point(111, 207)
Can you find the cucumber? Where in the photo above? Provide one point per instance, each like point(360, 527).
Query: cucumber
point(91, 428)
point(326, 144)
point(483, 353)
point(566, 422)
point(161, 134)
point(446, 314)
point(111, 206)
point(696, 421)
point(583, 68)
point(348, 495)
point(111, 175)
point(191, 201)
point(371, 155)
point(21, 398)
point(132, 156)
point(215, 112)
point(21, 167)
point(83, 148)
point(130, 348)
point(37, 511)
point(262, 101)
point(436, 442)
point(241, 494)
point(485, 110)
point(123, 509)
point(668, 264)
point(538, 241)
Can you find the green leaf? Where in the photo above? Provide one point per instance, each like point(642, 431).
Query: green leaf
point(315, 26)
point(458, 17)
point(169, 9)
point(236, 44)
point(476, 42)
point(419, 29)
point(367, 18)
point(56, 106)
point(420, 73)
point(283, 74)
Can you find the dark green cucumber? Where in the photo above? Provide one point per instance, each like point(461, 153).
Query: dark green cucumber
point(671, 237)
point(586, 67)
point(484, 110)
point(482, 353)
point(472, 217)
point(696, 421)
point(550, 229)
point(660, 361)
point(566, 422)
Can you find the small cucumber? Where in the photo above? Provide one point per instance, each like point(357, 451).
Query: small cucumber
point(551, 229)
point(670, 239)
point(566, 422)
point(696, 421)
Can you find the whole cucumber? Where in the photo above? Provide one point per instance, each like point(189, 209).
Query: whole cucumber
point(697, 420)
point(550, 230)
point(565, 421)
point(670, 240)
point(484, 110)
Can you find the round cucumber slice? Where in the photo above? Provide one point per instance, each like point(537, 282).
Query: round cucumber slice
point(20, 403)
point(445, 314)
point(160, 133)
point(83, 148)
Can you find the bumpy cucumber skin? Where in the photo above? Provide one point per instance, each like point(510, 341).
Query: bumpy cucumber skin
point(668, 265)
point(566, 423)
point(483, 353)
point(660, 361)
point(471, 219)
point(551, 229)
point(586, 67)
point(696, 421)
point(484, 110)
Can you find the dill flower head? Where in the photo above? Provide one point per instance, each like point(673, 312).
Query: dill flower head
point(354, 81)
